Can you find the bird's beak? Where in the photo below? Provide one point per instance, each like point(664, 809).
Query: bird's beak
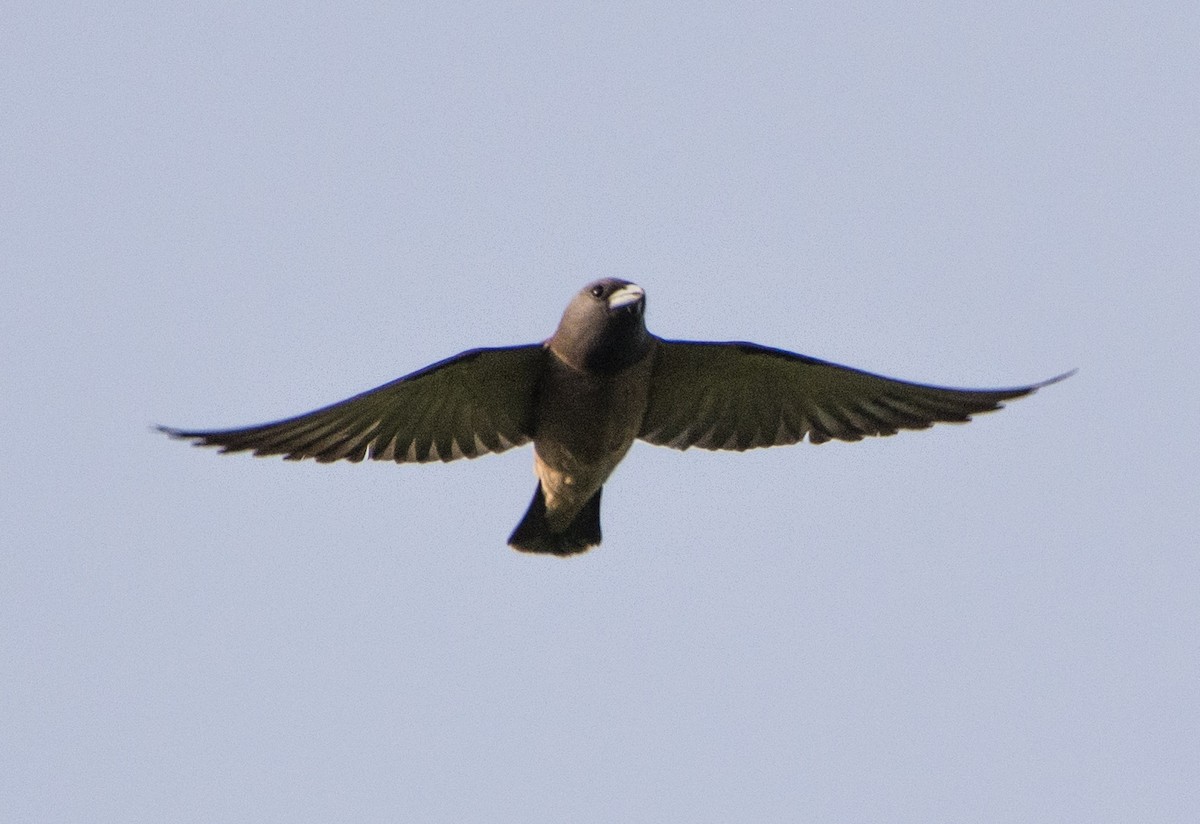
point(627, 295)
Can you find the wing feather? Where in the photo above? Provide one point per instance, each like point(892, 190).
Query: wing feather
point(477, 402)
point(741, 396)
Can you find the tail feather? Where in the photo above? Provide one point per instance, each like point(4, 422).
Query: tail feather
point(534, 534)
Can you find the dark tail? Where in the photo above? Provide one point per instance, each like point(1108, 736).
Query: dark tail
point(533, 534)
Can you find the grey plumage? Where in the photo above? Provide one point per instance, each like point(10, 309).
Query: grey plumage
point(583, 396)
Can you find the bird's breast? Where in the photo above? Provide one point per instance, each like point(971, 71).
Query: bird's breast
point(590, 416)
point(585, 423)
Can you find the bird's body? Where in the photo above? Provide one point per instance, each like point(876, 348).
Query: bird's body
point(588, 410)
point(583, 397)
point(584, 427)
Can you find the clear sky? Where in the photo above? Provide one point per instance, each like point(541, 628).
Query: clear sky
point(215, 215)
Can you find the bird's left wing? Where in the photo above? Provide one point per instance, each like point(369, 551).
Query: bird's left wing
point(742, 395)
point(477, 402)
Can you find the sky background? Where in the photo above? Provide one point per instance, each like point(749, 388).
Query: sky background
point(219, 214)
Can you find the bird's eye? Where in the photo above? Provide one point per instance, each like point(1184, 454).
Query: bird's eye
point(597, 291)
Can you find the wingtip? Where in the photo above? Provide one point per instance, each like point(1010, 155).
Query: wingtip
point(194, 438)
point(1055, 379)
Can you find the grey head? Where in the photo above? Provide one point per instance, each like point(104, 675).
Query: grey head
point(604, 327)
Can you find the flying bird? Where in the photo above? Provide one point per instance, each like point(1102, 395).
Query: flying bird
point(585, 395)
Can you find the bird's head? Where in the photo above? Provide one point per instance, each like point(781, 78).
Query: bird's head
point(604, 327)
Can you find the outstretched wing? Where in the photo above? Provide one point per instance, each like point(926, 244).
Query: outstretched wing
point(742, 395)
point(477, 402)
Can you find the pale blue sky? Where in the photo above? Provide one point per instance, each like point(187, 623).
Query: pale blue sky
point(218, 215)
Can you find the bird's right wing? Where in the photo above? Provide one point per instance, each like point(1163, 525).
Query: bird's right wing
point(477, 402)
point(742, 395)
